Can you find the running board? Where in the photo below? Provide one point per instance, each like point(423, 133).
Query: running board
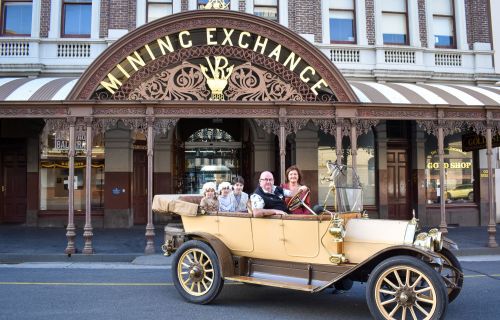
point(273, 283)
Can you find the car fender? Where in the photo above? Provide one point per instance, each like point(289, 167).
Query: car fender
point(361, 271)
point(223, 253)
point(449, 244)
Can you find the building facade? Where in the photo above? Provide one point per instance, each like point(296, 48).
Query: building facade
point(128, 99)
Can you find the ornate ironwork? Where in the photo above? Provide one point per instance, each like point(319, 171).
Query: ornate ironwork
point(365, 125)
point(328, 126)
point(33, 111)
point(162, 125)
point(269, 125)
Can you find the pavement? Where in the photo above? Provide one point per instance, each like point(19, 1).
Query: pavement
point(20, 244)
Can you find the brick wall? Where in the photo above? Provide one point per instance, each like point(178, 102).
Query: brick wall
point(370, 21)
point(132, 12)
point(422, 23)
point(477, 13)
point(45, 18)
point(103, 24)
point(305, 17)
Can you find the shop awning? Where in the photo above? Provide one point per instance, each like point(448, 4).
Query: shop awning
point(430, 93)
point(40, 89)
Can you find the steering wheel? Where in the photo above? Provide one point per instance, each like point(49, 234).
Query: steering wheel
point(297, 200)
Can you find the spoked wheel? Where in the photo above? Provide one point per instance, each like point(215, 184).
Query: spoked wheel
point(196, 272)
point(452, 274)
point(404, 287)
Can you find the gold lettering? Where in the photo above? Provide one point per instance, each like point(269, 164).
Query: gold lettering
point(259, 44)
point(125, 73)
point(115, 84)
point(181, 39)
point(240, 40)
point(228, 37)
point(318, 85)
point(165, 45)
point(150, 52)
point(210, 36)
point(308, 68)
point(137, 59)
point(293, 62)
point(276, 53)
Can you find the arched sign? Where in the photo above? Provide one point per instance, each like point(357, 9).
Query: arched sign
point(212, 55)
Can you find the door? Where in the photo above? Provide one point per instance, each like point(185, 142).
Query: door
point(13, 181)
point(398, 184)
point(140, 186)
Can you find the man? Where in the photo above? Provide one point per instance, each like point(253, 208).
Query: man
point(267, 199)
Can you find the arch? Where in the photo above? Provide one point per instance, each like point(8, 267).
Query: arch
point(259, 28)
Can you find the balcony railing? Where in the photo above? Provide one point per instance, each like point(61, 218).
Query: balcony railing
point(14, 48)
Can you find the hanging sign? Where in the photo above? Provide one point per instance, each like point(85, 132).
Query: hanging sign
point(473, 141)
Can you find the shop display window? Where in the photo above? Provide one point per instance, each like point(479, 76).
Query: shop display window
point(54, 172)
point(459, 172)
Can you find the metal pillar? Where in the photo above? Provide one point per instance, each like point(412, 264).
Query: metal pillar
point(492, 243)
point(442, 226)
point(354, 145)
point(338, 140)
point(87, 229)
point(70, 229)
point(282, 143)
point(150, 230)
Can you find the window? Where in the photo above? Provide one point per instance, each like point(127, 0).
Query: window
point(342, 24)
point(443, 23)
point(77, 16)
point(54, 171)
point(459, 171)
point(16, 18)
point(266, 9)
point(158, 9)
point(394, 22)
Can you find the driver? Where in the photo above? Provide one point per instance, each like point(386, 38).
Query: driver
point(268, 199)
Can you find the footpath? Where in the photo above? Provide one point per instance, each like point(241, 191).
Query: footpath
point(19, 244)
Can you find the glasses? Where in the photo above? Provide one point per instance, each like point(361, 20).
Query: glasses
point(267, 179)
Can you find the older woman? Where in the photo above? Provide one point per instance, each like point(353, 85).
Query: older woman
point(293, 182)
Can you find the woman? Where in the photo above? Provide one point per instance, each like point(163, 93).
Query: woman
point(226, 201)
point(240, 197)
point(293, 182)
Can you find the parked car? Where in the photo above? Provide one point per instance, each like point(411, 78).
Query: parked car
point(461, 191)
point(408, 274)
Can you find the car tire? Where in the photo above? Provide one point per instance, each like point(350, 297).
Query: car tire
point(196, 272)
point(402, 286)
point(470, 196)
point(452, 272)
point(448, 196)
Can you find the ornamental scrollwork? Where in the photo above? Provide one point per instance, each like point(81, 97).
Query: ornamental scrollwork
point(363, 126)
point(328, 126)
point(271, 126)
point(248, 83)
point(162, 125)
point(136, 124)
point(184, 82)
point(102, 125)
point(294, 125)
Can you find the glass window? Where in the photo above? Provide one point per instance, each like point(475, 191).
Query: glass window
point(394, 22)
point(443, 23)
point(365, 164)
point(54, 172)
point(266, 9)
point(158, 9)
point(459, 171)
point(77, 16)
point(342, 24)
point(16, 18)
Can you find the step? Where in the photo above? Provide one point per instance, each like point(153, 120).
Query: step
point(273, 283)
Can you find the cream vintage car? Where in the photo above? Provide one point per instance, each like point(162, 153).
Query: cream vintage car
point(409, 275)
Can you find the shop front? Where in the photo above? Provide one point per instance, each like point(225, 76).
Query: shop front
point(208, 95)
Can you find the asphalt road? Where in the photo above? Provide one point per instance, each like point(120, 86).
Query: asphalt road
point(123, 291)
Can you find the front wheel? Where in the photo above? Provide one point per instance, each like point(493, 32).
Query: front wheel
point(196, 272)
point(404, 287)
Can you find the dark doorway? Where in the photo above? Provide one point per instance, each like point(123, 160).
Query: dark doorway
point(13, 180)
point(140, 184)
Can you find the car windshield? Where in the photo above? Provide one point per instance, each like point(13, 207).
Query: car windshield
point(347, 188)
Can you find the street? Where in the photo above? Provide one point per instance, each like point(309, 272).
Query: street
point(124, 291)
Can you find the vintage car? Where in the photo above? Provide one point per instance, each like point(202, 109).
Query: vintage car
point(409, 275)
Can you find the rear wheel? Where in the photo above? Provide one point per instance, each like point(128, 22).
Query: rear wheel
point(196, 272)
point(471, 196)
point(452, 274)
point(404, 287)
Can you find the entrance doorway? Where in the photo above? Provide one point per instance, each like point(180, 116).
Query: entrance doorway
point(398, 184)
point(13, 178)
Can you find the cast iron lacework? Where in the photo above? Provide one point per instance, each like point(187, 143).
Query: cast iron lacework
point(210, 135)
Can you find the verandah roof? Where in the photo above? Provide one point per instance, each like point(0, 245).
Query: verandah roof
point(45, 89)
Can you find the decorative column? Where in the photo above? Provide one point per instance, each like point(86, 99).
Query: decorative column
point(338, 140)
point(354, 144)
point(442, 226)
point(492, 243)
point(150, 230)
point(282, 143)
point(87, 229)
point(70, 229)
